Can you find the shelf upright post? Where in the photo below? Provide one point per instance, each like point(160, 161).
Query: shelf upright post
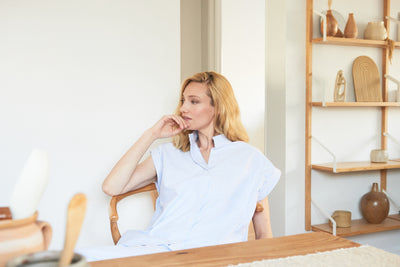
point(385, 70)
point(309, 37)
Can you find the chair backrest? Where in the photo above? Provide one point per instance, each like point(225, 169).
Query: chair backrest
point(113, 213)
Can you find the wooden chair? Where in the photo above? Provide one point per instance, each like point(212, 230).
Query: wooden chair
point(113, 213)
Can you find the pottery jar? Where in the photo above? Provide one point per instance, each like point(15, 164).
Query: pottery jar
point(379, 155)
point(342, 218)
point(375, 30)
point(351, 30)
point(374, 205)
point(23, 236)
point(331, 24)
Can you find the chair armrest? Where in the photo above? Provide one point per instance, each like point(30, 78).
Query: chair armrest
point(113, 213)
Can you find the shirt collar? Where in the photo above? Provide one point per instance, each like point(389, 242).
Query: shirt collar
point(219, 140)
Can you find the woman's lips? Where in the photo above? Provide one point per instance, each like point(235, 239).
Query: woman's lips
point(186, 118)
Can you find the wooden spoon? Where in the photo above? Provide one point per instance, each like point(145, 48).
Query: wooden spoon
point(75, 215)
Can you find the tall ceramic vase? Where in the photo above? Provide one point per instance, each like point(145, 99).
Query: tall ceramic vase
point(331, 24)
point(374, 205)
point(350, 30)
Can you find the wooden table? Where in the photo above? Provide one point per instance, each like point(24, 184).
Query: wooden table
point(236, 253)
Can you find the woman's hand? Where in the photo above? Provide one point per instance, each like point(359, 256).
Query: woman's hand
point(168, 126)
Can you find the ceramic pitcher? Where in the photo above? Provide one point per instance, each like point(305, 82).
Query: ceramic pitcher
point(375, 30)
point(23, 236)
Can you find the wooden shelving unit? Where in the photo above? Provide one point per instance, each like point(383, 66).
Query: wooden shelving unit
point(358, 226)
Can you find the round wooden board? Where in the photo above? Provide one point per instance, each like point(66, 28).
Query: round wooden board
point(367, 83)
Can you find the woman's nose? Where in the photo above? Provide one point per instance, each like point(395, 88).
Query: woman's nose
point(183, 108)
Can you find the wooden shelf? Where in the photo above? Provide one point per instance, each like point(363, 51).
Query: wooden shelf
point(353, 42)
point(357, 166)
point(355, 104)
point(359, 227)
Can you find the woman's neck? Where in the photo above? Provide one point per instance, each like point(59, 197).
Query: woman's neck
point(205, 141)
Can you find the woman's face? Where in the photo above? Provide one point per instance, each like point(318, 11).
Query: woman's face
point(196, 107)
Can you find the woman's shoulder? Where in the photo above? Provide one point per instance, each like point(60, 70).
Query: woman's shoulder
point(246, 146)
point(165, 148)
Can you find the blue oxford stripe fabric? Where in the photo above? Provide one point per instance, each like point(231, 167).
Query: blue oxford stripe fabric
point(200, 203)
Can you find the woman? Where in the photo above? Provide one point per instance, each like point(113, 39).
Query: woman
point(209, 179)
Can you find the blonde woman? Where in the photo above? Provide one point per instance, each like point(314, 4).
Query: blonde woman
point(208, 178)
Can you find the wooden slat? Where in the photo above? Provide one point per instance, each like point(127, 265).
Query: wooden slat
point(357, 166)
point(359, 227)
point(385, 70)
point(356, 104)
point(308, 119)
point(236, 253)
point(353, 42)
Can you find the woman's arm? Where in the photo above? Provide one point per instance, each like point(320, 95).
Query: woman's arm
point(262, 221)
point(127, 174)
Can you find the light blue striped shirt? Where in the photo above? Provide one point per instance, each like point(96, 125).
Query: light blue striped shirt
point(203, 204)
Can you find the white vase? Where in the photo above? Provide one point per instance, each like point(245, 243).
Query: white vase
point(375, 30)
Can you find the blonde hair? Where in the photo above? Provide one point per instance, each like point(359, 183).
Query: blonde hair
point(227, 114)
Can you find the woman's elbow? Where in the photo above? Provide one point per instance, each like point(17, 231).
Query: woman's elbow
point(107, 189)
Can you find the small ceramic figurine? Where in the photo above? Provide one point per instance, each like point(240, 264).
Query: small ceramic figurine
point(340, 87)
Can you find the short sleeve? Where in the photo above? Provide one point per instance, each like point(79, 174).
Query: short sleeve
point(270, 177)
point(157, 157)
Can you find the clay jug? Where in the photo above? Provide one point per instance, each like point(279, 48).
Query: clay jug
point(375, 30)
point(374, 205)
point(331, 24)
point(23, 236)
point(350, 30)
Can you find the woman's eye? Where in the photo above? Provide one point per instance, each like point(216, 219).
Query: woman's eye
point(194, 101)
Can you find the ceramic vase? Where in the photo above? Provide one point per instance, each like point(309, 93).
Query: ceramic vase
point(350, 30)
point(23, 236)
point(375, 30)
point(331, 24)
point(374, 205)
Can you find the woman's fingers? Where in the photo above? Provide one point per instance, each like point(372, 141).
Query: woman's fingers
point(170, 125)
point(180, 121)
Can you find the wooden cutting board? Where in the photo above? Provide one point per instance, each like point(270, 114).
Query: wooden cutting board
point(367, 83)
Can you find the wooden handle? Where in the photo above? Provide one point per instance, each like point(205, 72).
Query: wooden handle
point(47, 232)
point(75, 215)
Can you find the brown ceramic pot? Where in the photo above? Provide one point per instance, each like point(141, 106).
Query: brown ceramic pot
point(23, 236)
point(331, 24)
point(351, 30)
point(374, 205)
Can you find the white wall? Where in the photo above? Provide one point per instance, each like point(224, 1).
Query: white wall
point(243, 61)
point(191, 42)
point(82, 80)
point(349, 133)
point(275, 115)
